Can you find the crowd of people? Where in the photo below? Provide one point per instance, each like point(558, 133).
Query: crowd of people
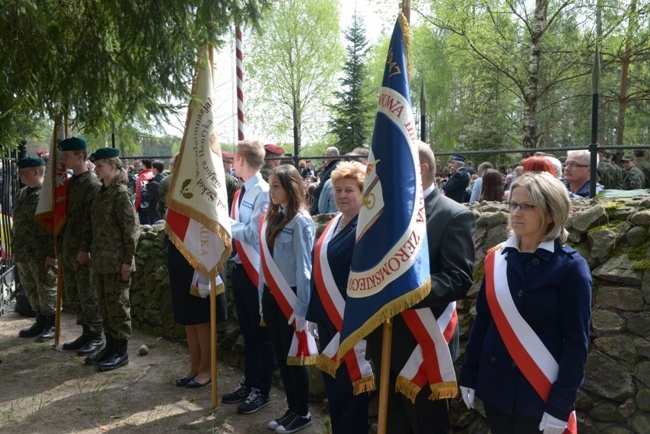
point(459, 181)
point(290, 286)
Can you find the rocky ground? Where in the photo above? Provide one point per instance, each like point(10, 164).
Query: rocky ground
point(45, 390)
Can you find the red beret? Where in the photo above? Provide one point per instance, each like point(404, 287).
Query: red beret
point(228, 156)
point(274, 149)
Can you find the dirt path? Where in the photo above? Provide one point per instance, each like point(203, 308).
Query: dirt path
point(43, 390)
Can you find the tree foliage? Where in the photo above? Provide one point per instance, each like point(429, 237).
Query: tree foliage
point(104, 62)
point(292, 68)
point(353, 112)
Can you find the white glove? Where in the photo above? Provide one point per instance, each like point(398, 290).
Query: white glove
point(301, 322)
point(468, 396)
point(312, 327)
point(552, 425)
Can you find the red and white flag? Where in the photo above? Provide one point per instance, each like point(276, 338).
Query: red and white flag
point(197, 217)
point(52, 204)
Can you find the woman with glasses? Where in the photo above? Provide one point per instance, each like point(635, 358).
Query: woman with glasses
point(527, 349)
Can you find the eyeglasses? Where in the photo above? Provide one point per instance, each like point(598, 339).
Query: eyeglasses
point(522, 206)
point(574, 165)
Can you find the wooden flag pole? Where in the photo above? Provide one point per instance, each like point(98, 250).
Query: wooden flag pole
point(386, 343)
point(59, 293)
point(213, 340)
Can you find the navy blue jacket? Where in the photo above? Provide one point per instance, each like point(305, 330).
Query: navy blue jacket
point(552, 291)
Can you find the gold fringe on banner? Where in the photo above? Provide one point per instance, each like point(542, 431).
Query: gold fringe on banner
point(327, 365)
point(407, 388)
point(364, 385)
point(388, 311)
point(406, 34)
point(301, 361)
point(194, 290)
point(443, 390)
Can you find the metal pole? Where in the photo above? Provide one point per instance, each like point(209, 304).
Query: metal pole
point(593, 147)
point(423, 112)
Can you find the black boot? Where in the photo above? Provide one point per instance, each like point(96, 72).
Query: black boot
point(36, 328)
point(119, 358)
point(48, 331)
point(103, 354)
point(93, 343)
point(80, 341)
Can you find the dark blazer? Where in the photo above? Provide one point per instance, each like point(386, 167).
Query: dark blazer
point(450, 234)
point(456, 185)
point(552, 292)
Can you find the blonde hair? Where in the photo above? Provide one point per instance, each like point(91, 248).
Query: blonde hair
point(120, 178)
point(252, 151)
point(351, 170)
point(551, 200)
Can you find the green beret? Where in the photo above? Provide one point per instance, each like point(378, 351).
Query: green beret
point(104, 153)
point(26, 162)
point(72, 144)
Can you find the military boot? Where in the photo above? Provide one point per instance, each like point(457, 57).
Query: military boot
point(119, 358)
point(80, 341)
point(48, 331)
point(103, 354)
point(36, 328)
point(93, 343)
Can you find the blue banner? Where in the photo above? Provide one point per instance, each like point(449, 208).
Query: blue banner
point(390, 265)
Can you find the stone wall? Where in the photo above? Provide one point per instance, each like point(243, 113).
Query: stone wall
point(612, 235)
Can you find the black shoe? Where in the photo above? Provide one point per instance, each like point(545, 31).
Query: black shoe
point(80, 341)
point(182, 382)
point(294, 423)
point(102, 355)
point(193, 384)
point(254, 402)
point(48, 331)
point(117, 359)
point(36, 328)
point(93, 343)
point(238, 394)
point(280, 421)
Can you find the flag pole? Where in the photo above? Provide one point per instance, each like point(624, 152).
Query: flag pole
point(213, 294)
point(240, 83)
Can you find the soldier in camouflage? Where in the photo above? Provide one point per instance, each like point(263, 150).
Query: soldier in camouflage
point(641, 163)
point(74, 245)
point(272, 151)
point(634, 178)
point(115, 234)
point(33, 249)
point(232, 183)
point(609, 173)
point(163, 189)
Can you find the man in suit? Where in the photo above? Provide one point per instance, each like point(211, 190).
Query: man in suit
point(458, 181)
point(450, 234)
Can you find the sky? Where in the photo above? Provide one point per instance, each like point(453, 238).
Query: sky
point(379, 16)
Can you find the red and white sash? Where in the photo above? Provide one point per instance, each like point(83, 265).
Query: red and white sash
point(303, 349)
point(358, 367)
point(249, 257)
point(431, 360)
point(524, 346)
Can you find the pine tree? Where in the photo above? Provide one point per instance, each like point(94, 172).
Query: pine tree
point(351, 116)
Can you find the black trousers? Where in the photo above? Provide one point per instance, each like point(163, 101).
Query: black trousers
point(503, 423)
point(294, 378)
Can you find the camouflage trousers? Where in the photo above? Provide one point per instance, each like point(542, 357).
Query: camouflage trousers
point(80, 295)
point(114, 304)
point(39, 282)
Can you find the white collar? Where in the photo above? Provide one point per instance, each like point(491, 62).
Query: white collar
point(429, 190)
point(513, 242)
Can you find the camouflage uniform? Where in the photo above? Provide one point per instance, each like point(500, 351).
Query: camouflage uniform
point(31, 245)
point(115, 233)
point(634, 179)
point(163, 188)
point(232, 185)
point(644, 165)
point(266, 171)
point(610, 175)
point(75, 237)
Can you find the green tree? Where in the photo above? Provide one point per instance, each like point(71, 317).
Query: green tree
point(353, 112)
point(292, 68)
point(105, 62)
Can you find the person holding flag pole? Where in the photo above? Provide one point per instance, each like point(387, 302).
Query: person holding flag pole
point(52, 208)
point(197, 220)
point(414, 249)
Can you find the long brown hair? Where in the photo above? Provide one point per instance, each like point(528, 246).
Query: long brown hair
point(492, 188)
point(292, 183)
